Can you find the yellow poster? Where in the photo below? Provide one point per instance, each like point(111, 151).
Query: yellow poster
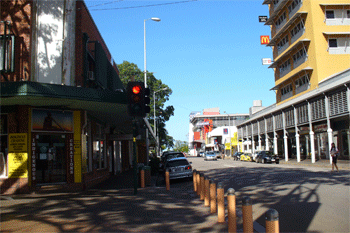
point(234, 140)
point(77, 147)
point(18, 155)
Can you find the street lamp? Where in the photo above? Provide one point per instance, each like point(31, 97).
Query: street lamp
point(154, 111)
point(144, 43)
point(229, 127)
point(145, 75)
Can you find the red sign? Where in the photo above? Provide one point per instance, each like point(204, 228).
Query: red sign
point(264, 39)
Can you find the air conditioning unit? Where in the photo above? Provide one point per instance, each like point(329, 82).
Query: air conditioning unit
point(91, 75)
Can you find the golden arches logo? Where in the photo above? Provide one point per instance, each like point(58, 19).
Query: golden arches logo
point(264, 39)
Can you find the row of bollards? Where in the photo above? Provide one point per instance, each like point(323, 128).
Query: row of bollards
point(214, 197)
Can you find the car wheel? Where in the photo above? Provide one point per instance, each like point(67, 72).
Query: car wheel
point(278, 162)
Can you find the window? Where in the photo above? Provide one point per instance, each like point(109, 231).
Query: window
point(287, 89)
point(281, 19)
point(297, 28)
point(332, 43)
point(8, 64)
point(294, 4)
point(285, 66)
point(299, 55)
point(302, 81)
point(284, 41)
point(348, 14)
point(329, 14)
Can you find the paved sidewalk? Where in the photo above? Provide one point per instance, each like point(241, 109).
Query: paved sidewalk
point(110, 207)
point(342, 164)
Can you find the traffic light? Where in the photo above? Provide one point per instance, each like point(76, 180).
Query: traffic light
point(138, 98)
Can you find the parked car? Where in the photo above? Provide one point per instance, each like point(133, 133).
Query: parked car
point(169, 155)
point(210, 155)
point(179, 168)
point(237, 155)
point(267, 157)
point(254, 155)
point(245, 157)
point(218, 154)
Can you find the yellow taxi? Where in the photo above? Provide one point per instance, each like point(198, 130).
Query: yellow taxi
point(245, 157)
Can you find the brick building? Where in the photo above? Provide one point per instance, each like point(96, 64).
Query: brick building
point(63, 107)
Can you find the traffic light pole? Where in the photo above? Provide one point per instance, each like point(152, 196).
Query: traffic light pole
point(134, 164)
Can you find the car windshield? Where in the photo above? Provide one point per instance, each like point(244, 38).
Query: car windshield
point(177, 163)
point(268, 153)
point(177, 155)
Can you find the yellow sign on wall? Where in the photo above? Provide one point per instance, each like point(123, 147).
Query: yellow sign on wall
point(18, 155)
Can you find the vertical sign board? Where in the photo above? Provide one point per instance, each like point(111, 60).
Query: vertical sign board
point(264, 40)
point(18, 155)
point(77, 147)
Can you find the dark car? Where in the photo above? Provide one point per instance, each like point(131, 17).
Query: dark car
point(169, 155)
point(267, 157)
point(237, 155)
point(179, 168)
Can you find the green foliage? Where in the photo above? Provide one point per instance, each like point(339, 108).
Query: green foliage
point(129, 71)
point(181, 146)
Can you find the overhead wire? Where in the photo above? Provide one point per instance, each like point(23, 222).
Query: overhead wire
point(143, 6)
point(102, 4)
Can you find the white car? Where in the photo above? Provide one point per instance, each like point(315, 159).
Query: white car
point(210, 155)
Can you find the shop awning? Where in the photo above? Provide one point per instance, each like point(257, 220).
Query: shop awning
point(105, 105)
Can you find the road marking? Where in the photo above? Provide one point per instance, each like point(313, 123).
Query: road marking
point(229, 165)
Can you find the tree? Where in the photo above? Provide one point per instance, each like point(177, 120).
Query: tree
point(129, 71)
point(181, 146)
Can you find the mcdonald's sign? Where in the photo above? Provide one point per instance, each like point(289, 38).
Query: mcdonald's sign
point(264, 39)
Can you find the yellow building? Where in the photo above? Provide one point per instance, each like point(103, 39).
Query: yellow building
point(311, 59)
point(310, 40)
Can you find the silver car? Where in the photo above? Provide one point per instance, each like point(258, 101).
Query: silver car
point(179, 168)
point(210, 155)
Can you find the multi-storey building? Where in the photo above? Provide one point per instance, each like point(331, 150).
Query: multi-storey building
point(311, 59)
point(63, 106)
point(214, 131)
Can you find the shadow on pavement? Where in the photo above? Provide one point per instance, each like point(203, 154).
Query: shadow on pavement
point(293, 192)
point(109, 207)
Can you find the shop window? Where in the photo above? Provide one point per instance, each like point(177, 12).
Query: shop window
point(99, 154)
point(3, 146)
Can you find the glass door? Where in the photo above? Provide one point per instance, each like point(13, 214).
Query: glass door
point(51, 158)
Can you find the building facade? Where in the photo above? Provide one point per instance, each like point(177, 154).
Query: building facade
point(63, 107)
point(214, 131)
point(310, 41)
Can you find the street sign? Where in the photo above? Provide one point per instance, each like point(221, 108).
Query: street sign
point(266, 61)
point(264, 39)
point(262, 19)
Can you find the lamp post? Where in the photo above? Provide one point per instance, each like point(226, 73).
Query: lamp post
point(145, 75)
point(144, 44)
point(154, 113)
point(229, 128)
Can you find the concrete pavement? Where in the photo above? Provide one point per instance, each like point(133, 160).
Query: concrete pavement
point(110, 207)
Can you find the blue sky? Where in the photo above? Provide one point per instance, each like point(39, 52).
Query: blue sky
point(207, 52)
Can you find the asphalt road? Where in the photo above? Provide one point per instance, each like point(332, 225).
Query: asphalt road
point(308, 199)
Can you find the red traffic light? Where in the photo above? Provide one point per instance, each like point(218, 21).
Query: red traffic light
point(136, 89)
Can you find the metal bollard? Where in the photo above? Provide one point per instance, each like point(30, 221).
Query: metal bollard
point(271, 220)
point(213, 207)
point(195, 180)
point(198, 180)
point(142, 178)
point(202, 187)
point(206, 191)
point(247, 212)
point(167, 180)
point(231, 202)
point(221, 203)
